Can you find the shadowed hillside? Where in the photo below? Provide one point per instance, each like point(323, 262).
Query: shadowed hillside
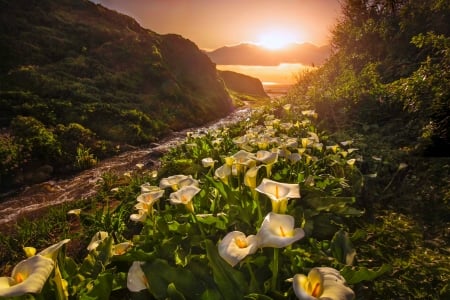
point(243, 84)
point(78, 79)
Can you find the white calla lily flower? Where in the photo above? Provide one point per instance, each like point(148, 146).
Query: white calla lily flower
point(235, 246)
point(279, 193)
point(28, 276)
point(322, 283)
point(277, 231)
point(184, 196)
point(136, 279)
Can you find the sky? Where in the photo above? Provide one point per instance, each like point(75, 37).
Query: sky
point(212, 24)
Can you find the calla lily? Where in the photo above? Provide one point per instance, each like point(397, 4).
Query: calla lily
point(250, 177)
point(184, 196)
point(306, 142)
point(76, 212)
point(243, 160)
point(267, 158)
point(28, 276)
point(122, 248)
point(147, 200)
point(223, 173)
point(208, 162)
point(29, 251)
point(147, 187)
point(235, 246)
point(287, 107)
point(141, 216)
point(136, 279)
point(279, 193)
point(333, 148)
point(351, 162)
point(322, 283)
point(97, 239)
point(295, 157)
point(53, 250)
point(277, 231)
point(177, 181)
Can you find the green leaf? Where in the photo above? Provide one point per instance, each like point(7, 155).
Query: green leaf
point(231, 283)
point(355, 275)
point(254, 296)
point(160, 275)
point(173, 293)
point(101, 287)
point(342, 248)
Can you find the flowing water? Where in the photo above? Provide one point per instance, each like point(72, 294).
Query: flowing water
point(84, 185)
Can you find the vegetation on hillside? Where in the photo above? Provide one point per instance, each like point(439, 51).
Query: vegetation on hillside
point(78, 80)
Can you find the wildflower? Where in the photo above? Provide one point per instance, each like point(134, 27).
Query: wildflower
point(294, 158)
point(147, 187)
point(121, 248)
point(235, 246)
point(28, 276)
point(277, 231)
point(147, 200)
point(279, 193)
point(333, 148)
point(287, 107)
point(136, 279)
point(177, 181)
point(141, 216)
point(76, 212)
point(351, 162)
point(250, 177)
point(322, 283)
point(267, 158)
point(97, 239)
point(223, 173)
point(52, 251)
point(243, 160)
point(184, 196)
point(208, 162)
point(29, 251)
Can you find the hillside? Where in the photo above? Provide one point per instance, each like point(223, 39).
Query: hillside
point(251, 54)
point(243, 84)
point(78, 80)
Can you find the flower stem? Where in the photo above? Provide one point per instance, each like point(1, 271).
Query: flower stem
point(195, 220)
point(275, 268)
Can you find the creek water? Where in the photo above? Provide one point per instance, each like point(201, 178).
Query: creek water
point(84, 184)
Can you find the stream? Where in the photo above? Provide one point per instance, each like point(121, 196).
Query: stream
point(84, 184)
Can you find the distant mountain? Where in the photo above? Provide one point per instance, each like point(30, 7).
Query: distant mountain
point(251, 54)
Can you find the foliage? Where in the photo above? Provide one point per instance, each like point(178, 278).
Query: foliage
point(178, 249)
point(120, 83)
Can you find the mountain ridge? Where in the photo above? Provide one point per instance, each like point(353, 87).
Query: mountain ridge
point(253, 54)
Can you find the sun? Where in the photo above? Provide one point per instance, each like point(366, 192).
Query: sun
point(275, 40)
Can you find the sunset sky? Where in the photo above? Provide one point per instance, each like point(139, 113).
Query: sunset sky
point(212, 23)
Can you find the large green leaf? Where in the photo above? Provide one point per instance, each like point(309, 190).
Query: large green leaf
point(342, 248)
point(231, 283)
point(182, 281)
point(355, 275)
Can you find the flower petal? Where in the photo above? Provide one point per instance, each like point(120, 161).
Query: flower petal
point(136, 279)
point(235, 246)
point(34, 272)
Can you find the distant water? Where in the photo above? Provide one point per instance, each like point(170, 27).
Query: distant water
point(275, 90)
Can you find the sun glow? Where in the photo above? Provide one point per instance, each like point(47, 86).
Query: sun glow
point(275, 40)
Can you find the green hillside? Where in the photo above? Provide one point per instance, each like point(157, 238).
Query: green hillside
point(77, 80)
